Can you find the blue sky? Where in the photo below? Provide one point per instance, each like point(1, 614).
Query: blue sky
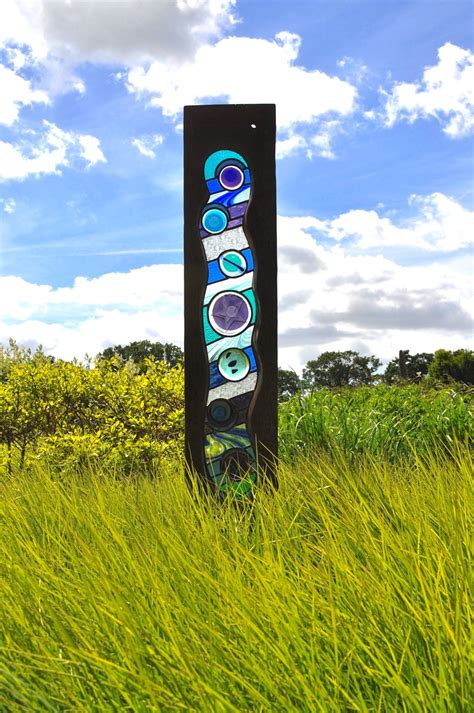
point(375, 110)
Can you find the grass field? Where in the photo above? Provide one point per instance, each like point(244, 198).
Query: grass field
point(348, 590)
point(394, 423)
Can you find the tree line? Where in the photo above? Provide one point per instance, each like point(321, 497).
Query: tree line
point(339, 369)
point(331, 369)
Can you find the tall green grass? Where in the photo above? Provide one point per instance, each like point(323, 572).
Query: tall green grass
point(393, 422)
point(348, 590)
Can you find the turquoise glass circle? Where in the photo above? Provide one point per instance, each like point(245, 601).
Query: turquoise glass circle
point(233, 364)
point(214, 221)
point(232, 263)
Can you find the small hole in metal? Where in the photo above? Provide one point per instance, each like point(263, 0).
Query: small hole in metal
point(253, 126)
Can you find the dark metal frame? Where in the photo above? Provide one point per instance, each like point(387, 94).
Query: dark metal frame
point(248, 129)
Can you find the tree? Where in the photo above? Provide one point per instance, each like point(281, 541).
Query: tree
point(457, 366)
point(336, 369)
point(289, 383)
point(415, 366)
point(139, 351)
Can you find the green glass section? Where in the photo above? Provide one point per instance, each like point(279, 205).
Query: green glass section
point(215, 444)
point(239, 488)
point(250, 295)
point(210, 335)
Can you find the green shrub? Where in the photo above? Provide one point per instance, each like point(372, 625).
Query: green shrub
point(70, 413)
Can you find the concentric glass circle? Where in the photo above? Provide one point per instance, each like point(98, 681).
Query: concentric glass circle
point(232, 263)
point(236, 464)
point(231, 178)
point(220, 414)
point(229, 313)
point(233, 364)
point(214, 220)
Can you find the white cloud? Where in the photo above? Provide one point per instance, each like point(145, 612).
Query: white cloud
point(123, 32)
point(55, 36)
point(290, 145)
point(262, 71)
point(95, 332)
point(20, 23)
point(441, 224)
point(146, 144)
point(328, 300)
point(331, 300)
point(445, 92)
point(189, 64)
point(322, 141)
point(95, 312)
point(53, 150)
point(16, 92)
point(90, 149)
point(144, 288)
point(9, 205)
point(320, 144)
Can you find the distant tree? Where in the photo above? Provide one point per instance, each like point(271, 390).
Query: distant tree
point(457, 366)
point(333, 369)
point(408, 366)
point(139, 351)
point(289, 383)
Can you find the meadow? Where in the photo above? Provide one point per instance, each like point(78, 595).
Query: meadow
point(348, 589)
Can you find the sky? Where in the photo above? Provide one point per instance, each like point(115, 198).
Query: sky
point(375, 116)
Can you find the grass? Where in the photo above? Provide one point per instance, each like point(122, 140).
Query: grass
point(348, 590)
point(391, 422)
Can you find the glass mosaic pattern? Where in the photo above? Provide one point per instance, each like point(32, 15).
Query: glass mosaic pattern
point(229, 316)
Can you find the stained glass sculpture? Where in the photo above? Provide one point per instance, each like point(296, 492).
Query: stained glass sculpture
point(230, 317)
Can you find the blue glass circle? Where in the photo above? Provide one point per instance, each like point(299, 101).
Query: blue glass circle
point(214, 221)
point(231, 178)
point(220, 414)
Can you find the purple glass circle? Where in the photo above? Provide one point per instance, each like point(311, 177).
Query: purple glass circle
point(231, 177)
point(230, 313)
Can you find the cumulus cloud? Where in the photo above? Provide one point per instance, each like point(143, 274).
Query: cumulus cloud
point(445, 92)
point(439, 224)
point(319, 144)
point(94, 312)
point(52, 37)
point(136, 31)
point(262, 71)
point(95, 332)
point(48, 152)
point(116, 31)
point(399, 308)
point(322, 142)
point(20, 24)
point(174, 57)
point(146, 144)
point(16, 93)
point(90, 149)
point(289, 145)
point(365, 302)
point(329, 299)
point(142, 287)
